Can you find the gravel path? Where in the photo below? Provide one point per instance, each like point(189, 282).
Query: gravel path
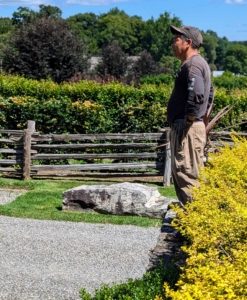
point(8, 195)
point(53, 260)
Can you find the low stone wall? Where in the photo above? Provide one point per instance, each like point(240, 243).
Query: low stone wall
point(168, 247)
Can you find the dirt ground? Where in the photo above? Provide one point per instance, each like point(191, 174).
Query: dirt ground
point(75, 175)
point(104, 177)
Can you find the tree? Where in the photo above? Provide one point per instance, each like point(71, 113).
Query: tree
point(169, 64)
point(23, 15)
point(233, 65)
point(145, 65)
point(221, 49)
point(236, 59)
point(45, 48)
point(26, 15)
point(5, 25)
point(114, 62)
point(237, 50)
point(48, 11)
point(5, 31)
point(138, 30)
point(210, 44)
point(157, 37)
point(115, 26)
point(85, 28)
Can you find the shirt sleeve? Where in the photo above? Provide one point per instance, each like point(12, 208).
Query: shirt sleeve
point(196, 91)
point(211, 97)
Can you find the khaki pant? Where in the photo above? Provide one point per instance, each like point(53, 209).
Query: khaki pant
point(186, 159)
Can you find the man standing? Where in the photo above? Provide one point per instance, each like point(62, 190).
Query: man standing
point(191, 97)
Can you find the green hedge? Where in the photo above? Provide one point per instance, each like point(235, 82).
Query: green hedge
point(229, 81)
point(89, 107)
point(85, 107)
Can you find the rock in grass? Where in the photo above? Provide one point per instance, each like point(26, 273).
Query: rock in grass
point(118, 199)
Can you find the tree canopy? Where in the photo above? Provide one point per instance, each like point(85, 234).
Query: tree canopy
point(26, 15)
point(44, 48)
point(88, 34)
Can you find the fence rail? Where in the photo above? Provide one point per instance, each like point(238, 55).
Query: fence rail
point(27, 153)
point(115, 154)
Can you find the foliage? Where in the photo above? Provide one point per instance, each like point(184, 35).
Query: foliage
point(84, 26)
point(157, 36)
point(5, 25)
point(90, 107)
point(113, 61)
point(169, 64)
point(210, 40)
point(84, 107)
point(229, 81)
point(216, 267)
point(236, 59)
point(44, 48)
point(115, 26)
point(6, 28)
point(145, 288)
point(157, 79)
point(25, 15)
point(133, 35)
point(225, 98)
point(221, 49)
point(143, 66)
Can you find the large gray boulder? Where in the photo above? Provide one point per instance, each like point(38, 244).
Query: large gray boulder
point(119, 199)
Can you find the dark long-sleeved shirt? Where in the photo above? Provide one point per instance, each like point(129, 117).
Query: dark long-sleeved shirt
point(193, 90)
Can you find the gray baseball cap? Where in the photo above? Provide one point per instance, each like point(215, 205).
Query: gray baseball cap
point(190, 32)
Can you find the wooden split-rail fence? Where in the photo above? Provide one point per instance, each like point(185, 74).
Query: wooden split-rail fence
point(29, 153)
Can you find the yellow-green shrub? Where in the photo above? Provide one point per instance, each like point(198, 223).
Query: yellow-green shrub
point(215, 225)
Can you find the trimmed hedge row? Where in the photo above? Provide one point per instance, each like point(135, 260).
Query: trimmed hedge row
point(90, 107)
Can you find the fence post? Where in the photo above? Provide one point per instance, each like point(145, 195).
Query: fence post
point(167, 164)
point(27, 149)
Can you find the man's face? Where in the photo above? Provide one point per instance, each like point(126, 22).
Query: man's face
point(179, 47)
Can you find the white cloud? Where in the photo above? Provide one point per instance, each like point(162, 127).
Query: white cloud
point(34, 3)
point(94, 2)
point(23, 2)
point(238, 2)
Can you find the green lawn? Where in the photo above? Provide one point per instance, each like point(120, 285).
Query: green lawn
point(43, 200)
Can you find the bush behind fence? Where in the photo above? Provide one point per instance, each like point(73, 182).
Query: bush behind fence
point(90, 107)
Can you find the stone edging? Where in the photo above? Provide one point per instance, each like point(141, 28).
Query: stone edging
point(168, 247)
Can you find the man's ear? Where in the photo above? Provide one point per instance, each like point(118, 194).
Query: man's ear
point(189, 41)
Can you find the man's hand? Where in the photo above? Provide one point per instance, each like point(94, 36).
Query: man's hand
point(182, 127)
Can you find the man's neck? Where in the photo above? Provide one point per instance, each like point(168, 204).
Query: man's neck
point(190, 53)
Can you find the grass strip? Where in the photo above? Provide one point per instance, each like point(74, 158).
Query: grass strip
point(43, 201)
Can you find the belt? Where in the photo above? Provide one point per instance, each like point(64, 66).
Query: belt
point(175, 122)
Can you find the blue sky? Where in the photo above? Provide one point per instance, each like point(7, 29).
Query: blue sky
point(225, 17)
